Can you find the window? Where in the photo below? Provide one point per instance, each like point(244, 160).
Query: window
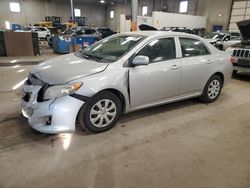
point(111, 14)
point(42, 29)
point(15, 7)
point(89, 31)
point(144, 10)
point(7, 24)
point(183, 7)
point(77, 12)
point(192, 47)
point(112, 49)
point(159, 50)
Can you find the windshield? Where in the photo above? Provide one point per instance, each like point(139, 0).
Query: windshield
point(68, 32)
point(112, 49)
point(27, 29)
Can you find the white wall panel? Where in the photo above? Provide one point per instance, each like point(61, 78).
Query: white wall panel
point(236, 12)
point(240, 4)
point(163, 19)
point(240, 11)
point(247, 11)
point(233, 26)
point(236, 18)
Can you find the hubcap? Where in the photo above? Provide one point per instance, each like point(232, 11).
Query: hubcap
point(213, 89)
point(103, 113)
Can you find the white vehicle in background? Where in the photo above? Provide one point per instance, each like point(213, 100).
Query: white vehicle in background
point(43, 32)
point(228, 43)
point(223, 40)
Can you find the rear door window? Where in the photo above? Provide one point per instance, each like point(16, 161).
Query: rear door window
point(192, 47)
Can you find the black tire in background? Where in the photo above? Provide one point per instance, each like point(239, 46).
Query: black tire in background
point(235, 72)
point(47, 37)
point(205, 97)
point(85, 115)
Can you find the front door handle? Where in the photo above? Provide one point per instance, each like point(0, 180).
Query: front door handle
point(174, 67)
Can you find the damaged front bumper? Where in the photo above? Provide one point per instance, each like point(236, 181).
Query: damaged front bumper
point(52, 116)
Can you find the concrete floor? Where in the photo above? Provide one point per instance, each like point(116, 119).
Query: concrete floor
point(186, 144)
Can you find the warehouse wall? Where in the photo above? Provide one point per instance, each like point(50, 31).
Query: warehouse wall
point(209, 8)
point(217, 11)
point(172, 6)
point(33, 11)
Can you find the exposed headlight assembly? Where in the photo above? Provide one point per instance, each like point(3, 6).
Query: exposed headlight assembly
point(56, 91)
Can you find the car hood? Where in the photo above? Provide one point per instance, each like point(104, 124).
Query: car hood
point(63, 69)
point(210, 40)
point(240, 45)
point(244, 27)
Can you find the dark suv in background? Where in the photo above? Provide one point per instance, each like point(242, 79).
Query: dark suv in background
point(241, 51)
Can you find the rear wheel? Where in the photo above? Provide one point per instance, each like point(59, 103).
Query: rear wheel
point(212, 89)
point(101, 112)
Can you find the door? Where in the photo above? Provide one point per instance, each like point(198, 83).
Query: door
point(196, 65)
point(160, 79)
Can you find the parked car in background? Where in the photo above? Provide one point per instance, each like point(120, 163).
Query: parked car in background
point(105, 31)
point(223, 45)
point(241, 51)
point(43, 32)
point(214, 37)
point(123, 73)
point(219, 39)
point(76, 31)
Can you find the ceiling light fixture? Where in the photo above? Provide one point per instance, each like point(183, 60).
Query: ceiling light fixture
point(102, 1)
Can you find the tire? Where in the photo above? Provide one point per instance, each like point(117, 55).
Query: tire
point(212, 89)
point(221, 47)
point(235, 72)
point(47, 37)
point(94, 116)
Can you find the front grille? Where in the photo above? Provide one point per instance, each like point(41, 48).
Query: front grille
point(243, 63)
point(34, 80)
point(241, 53)
point(26, 97)
point(40, 95)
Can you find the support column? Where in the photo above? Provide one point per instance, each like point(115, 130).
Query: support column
point(72, 10)
point(134, 4)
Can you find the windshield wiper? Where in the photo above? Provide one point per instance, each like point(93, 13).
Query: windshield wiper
point(90, 56)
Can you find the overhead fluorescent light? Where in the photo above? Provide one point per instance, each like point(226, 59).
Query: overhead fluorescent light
point(102, 1)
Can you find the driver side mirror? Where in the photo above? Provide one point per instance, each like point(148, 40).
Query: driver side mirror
point(140, 60)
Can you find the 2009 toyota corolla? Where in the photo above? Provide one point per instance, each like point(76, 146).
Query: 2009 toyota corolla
point(120, 74)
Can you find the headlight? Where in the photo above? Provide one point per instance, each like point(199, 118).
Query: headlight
point(61, 90)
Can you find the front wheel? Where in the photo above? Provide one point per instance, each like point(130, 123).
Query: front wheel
point(47, 38)
point(212, 89)
point(101, 112)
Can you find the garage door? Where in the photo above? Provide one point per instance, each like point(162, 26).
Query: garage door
point(240, 11)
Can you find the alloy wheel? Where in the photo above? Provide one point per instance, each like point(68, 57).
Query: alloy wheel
point(213, 89)
point(103, 113)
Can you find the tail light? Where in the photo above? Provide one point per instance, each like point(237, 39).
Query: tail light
point(233, 60)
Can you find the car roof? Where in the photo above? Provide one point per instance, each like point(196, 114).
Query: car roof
point(159, 33)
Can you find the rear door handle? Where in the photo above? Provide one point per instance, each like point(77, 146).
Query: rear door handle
point(209, 61)
point(174, 67)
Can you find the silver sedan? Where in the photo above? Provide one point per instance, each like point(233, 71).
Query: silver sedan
point(120, 74)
